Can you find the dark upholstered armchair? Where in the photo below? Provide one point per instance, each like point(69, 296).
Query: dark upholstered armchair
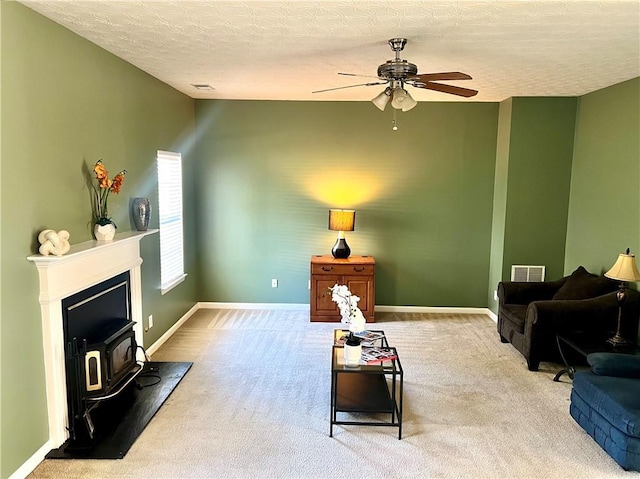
point(530, 314)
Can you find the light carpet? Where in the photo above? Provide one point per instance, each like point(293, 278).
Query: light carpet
point(256, 404)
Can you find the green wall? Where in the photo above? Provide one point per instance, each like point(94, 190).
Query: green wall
point(499, 201)
point(540, 154)
point(604, 208)
point(269, 172)
point(533, 176)
point(65, 104)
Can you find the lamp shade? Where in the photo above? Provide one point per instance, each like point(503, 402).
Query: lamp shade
point(402, 100)
point(625, 268)
point(342, 220)
point(382, 99)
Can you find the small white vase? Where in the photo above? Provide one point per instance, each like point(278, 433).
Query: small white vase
point(352, 355)
point(104, 232)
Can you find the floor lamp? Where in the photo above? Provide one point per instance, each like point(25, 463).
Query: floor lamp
point(624, 270)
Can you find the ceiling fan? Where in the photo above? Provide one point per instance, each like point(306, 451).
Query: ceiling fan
point(398, 72)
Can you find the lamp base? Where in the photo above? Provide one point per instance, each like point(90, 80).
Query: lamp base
point(341, 249)
point(618, 342)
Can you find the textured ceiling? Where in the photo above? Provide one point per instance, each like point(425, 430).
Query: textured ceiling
point(279, 50)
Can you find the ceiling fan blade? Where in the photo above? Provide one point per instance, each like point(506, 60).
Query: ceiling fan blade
point(453, 90)
point(351, 86)
point(425, 77)
point(356, 75)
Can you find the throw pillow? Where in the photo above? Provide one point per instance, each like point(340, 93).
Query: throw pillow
point(583, 285)
point(615, 364)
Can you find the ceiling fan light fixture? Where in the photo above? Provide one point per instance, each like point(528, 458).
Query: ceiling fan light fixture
point(408, 103)
point(382, 99)
point(402, 100)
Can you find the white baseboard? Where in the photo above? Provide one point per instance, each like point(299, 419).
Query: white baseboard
point(30, 464)
point(379, 308)
point(273, 306)
point(492, 315)
point(430, 309)
point(163, 339)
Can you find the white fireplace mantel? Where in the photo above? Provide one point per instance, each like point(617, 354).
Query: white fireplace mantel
point(85, 265)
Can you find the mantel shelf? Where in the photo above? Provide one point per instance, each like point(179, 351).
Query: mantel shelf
point(89, 247)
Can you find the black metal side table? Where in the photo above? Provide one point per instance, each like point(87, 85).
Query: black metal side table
point(373, 389)
point(584, 345)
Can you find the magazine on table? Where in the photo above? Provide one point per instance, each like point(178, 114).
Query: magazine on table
point(378, 355)
point(368, 337)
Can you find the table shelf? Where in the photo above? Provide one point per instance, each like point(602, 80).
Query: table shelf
point(366, 393)
point(370, 390)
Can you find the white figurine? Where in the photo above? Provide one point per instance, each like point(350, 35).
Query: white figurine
point(54, 243)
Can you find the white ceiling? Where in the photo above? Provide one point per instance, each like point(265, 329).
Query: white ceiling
point(284, 50)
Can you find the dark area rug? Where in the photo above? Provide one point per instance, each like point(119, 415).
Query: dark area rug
point(134, 408)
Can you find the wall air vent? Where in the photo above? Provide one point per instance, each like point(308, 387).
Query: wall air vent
point(527, 274)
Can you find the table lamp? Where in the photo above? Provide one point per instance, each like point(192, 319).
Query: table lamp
point(341, 221)
point(623, 270)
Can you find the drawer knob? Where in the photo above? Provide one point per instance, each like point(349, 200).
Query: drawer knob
point(359, 269)
point(327, 268)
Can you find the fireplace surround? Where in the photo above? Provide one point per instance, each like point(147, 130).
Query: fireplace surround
point(87, 264)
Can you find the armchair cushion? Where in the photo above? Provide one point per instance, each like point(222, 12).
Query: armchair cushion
point(615, 364)
point(510, 292)
point(582, 285)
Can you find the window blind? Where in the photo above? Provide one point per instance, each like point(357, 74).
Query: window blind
point(170, 219)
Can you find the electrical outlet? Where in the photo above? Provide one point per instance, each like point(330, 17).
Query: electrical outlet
point(495, 295)
point(309, 285)
point(150, 321)
point(274, 283)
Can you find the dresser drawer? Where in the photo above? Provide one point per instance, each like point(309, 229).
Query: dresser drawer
point(342, 269)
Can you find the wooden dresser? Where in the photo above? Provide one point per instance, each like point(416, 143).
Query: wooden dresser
point(357, 272)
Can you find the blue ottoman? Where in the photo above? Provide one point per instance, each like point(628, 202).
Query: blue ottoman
point(605, 402)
